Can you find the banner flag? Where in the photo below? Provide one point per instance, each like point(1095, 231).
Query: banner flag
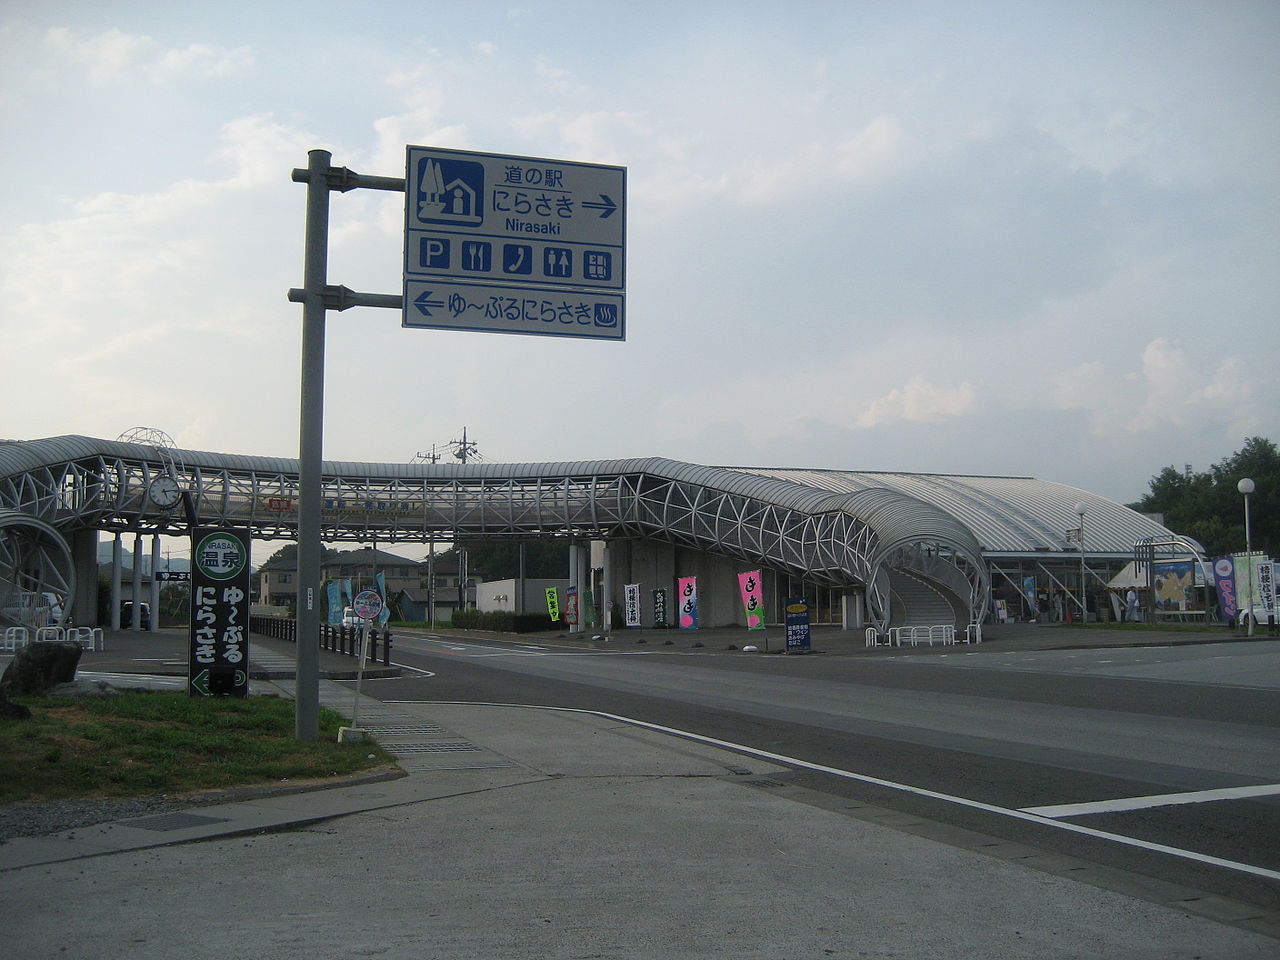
point(687, 596)
point(752, 599)
point(660, 618)
point(571, 606)
point(631, 594)
point(334, 593)
point(1266, 590)
point(553, 604)
point(1224, 577)
point(385, 615)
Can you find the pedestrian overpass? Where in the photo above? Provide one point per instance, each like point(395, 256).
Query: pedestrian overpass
point(902, 548)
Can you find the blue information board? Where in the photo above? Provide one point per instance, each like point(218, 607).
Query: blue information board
point(534, 229)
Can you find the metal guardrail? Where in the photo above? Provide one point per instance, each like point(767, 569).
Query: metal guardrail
point(337, 639)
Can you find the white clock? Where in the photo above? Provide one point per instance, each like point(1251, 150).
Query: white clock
point(164, 492)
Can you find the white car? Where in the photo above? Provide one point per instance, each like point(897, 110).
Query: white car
point(349, 618)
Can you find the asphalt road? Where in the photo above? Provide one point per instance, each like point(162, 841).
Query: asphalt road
point(963, 743)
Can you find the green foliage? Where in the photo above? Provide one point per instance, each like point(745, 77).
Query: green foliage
point(148, 742)
point(503, 621)
point(546, 559)
point(1208, 507)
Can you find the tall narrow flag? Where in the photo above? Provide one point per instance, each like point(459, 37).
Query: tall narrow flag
point(631, 595)
point(752, 599)
point(687, 598)
point(553, 604)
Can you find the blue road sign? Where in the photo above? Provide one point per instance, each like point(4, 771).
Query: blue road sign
point(496, 308)
point(525, 221)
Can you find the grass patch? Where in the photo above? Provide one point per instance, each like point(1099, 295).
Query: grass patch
point(145, 742)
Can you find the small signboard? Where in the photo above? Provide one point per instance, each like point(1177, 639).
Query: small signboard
point(218, 660)
point(173, 576)
point(367, 604)
point(797, 624)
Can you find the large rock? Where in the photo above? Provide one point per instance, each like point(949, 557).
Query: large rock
point(39, 666)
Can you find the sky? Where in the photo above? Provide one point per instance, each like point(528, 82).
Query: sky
point(1028, 239)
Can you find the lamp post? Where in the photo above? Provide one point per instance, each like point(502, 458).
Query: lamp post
point(1081, 510)
point(1245, 486)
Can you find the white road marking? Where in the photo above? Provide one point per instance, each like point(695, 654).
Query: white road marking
point(1156, 800)
point(904, 787)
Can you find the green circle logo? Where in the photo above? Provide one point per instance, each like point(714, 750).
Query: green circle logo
point(221, 557)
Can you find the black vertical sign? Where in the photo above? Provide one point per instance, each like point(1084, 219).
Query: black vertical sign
point(218, 661)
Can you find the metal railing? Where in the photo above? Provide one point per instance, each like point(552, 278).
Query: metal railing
point(337, 639)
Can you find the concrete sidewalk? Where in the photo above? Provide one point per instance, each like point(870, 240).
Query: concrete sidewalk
point(527, 833)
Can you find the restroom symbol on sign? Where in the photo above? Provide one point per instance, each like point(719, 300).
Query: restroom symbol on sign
point(557, 262)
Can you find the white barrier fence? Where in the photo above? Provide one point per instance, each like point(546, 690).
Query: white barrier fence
point(943, 633)
point(15, 638)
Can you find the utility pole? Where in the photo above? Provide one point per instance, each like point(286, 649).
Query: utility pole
point(463, 448)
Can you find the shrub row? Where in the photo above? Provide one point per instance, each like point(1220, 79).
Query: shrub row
point(503, 621)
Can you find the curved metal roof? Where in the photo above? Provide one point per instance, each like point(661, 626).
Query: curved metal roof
point(1008, 515)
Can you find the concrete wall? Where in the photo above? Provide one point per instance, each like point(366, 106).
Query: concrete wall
point(496, 595)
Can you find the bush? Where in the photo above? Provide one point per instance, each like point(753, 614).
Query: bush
point(502, 621)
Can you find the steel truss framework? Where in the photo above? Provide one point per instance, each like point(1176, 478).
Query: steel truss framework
point(841, 540)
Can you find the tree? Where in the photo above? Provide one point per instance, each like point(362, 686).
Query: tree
point(545, 559)
point(1208, 507)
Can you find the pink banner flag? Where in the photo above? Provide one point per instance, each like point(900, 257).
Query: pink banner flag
point(687, 599)
point(752, 599)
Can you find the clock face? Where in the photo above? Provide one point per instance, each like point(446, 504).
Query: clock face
point(164, 492)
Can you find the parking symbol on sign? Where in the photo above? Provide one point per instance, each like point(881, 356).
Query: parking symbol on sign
point(433, 252)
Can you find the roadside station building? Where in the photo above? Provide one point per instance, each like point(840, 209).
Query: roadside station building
point(866, 549)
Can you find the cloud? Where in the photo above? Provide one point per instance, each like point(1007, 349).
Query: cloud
point(114, 54)
point(1166, 392)
point(920, 401)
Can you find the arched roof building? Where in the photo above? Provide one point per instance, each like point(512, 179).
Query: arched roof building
point(906, 546)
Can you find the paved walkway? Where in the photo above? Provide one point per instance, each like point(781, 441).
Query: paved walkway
point(528, 833)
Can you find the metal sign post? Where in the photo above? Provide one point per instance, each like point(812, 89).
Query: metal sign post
point(494, 243)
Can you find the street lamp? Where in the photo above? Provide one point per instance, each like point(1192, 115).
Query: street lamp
point(1245, 486)
point(1081, 510)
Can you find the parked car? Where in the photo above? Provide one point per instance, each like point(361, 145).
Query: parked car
point(349, 618)
point(126, 615)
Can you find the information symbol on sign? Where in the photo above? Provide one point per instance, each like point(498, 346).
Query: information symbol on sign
point(557, 262)
point(433, 253)
point(477, 256)
point(517, 258)
point(597, 264)
point(449, 191)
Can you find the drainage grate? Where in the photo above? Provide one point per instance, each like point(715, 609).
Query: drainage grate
point(766, 782)
point(427, 763)
point(401, 730)
point(460, 746)
point(173, 821)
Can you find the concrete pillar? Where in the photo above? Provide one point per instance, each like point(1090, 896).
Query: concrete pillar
point(606, 589)
point(83, 607)
point(155, 583)
point(853, 614)
point(117, 557)
point(135, 623)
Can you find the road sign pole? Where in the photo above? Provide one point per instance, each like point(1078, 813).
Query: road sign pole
point(311, 447)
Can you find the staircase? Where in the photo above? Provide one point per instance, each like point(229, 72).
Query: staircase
point(917, 603)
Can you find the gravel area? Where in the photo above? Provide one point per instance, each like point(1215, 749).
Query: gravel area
point(36, 818)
